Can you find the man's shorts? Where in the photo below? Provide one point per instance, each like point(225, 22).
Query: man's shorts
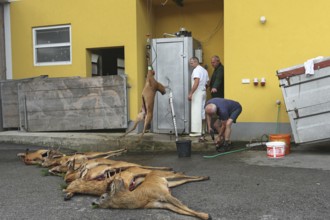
point(234, 115)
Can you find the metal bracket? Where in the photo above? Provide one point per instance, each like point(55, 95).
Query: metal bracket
point(288, 80)
point(296, 111)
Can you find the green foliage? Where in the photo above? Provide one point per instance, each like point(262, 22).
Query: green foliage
point(45, 172)
point(63, 185)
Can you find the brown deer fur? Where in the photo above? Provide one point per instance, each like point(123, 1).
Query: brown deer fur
point(83, 158)
point(33, 158)
point(153, 193)
point(148, 97)
point(93, 169)
point(132, 178)
point(95, 172)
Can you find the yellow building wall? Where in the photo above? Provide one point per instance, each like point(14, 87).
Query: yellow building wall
point(204, 19)
point(94, 24)
point(294, 32)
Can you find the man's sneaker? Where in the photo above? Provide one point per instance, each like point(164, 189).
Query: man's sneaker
point(226, 145)
point(219, 148)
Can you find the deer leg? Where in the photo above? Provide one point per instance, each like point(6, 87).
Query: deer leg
point(175, 175)
point(139, 118)
point(94, 155)
point(177, 203)
point(116, 153)
point(169, 206)
point(156, 168)
point(174, 183)
point(164, 205)
point(161, 88)
point(147, 121)
point(68, 196)
point(178, 178)
point(104, 154)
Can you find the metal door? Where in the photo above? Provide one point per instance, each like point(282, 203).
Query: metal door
point(170, 60)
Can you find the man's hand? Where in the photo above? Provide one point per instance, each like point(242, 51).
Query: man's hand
point(214, 90)
point(220, 139)
point(211, 131)
point(189, 97)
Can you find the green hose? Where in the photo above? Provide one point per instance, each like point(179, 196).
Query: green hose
point(224, 153)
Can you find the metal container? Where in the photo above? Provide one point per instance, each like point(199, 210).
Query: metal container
point(170, 60)
point(307, 101)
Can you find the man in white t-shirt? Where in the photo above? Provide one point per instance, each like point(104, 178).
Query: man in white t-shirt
point(197, 96)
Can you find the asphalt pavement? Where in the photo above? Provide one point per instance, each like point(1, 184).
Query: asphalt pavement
point(242, 185)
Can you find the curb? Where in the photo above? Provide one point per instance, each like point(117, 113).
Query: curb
point(102, 141)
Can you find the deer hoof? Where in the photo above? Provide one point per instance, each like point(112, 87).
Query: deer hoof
point(67, 197)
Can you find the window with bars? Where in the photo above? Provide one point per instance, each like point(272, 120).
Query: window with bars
point(52, 45)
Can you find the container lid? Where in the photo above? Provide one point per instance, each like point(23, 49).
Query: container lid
point(275, 144)
point(300, 69)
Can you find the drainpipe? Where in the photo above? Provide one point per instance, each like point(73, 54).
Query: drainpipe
point(5, 38)
point(8, 52)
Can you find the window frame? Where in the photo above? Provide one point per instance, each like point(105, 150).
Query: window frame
point(36, 47)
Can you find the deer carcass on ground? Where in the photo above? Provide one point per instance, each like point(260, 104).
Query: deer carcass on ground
point(153, 193)
point(95, 172)
point(33, 158)
point(81, 158)
point(90, 187)
point(132, 178)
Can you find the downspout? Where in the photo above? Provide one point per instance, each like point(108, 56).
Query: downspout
point(8, 52)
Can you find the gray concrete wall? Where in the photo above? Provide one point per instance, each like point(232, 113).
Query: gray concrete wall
point(251, 131)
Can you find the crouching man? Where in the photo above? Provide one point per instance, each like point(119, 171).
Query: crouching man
point(226, 111)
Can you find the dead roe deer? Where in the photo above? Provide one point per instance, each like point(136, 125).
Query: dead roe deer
point(153, 193)
point(132, 178)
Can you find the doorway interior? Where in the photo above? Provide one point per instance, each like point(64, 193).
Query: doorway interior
point(107, 61)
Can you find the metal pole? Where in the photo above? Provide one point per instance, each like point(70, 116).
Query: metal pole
point(173, 115)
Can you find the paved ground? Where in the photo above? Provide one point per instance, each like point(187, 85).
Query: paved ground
point(243, 185)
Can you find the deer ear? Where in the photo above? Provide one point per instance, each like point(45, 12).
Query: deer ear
point(108, 175)
point(21, 155)
point(45, 154)
point(83, 173)
point(113, 187)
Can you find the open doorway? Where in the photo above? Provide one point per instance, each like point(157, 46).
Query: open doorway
point(107, 61)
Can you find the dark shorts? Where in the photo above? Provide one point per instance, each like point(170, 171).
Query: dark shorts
point(234, 115)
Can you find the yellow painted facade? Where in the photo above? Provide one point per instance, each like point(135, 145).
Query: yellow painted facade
point(97, 24)
point(294, 31)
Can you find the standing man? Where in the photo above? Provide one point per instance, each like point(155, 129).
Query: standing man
point(226, 111)
point(197, 96)
point(217, 79)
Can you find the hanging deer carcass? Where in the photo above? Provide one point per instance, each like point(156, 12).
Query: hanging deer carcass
point(148, 97)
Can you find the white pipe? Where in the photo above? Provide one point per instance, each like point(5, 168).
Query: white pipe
point(8, 52)
point(173, 115)
point(169, 35)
